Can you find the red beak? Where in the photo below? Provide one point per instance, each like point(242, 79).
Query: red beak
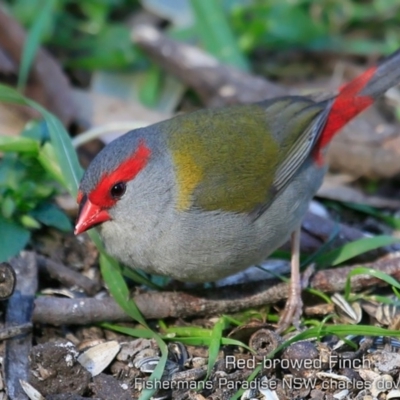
point(89, 215)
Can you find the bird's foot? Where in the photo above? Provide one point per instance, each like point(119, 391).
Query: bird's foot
point(293, 310)
point(294, 306)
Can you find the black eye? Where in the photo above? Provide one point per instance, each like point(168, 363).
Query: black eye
point(118, 190)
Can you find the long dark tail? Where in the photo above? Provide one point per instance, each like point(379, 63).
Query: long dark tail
point(357, 95)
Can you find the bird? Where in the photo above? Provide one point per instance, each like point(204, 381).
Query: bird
point(206, 194)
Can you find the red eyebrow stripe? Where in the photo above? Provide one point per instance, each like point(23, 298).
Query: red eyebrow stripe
point(125, 172)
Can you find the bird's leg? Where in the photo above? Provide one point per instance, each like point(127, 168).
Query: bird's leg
point(294, 305)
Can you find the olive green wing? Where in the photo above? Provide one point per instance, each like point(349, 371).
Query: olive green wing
point(240, 158)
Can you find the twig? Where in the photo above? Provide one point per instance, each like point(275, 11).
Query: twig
point(155, 305)
point(19, 312)
point(12, 331)
point(67, 276)
point(48, 85)
point(216, 84)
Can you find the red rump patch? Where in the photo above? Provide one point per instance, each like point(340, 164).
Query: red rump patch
point(125, 172)
point(345, 107)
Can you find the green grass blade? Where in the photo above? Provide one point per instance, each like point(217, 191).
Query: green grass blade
point(371, 272)
point(353, 249)
point(187, 331)
point(322, 324)
point(192, 341)
point(320, 294)
point(33, 41)
point(215, 344)
point(383, 299)
point(338, 330)
point(396, 292)
point(253, 376)
point(233, 342)
point(321, 331)
point(111, 273)
point(139, 278)
point(135, 332)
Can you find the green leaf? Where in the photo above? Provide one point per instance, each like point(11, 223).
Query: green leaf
point(29, 222)
point(67, 159)
point(13, 239)
point(18, 144)
point(48, 161)
point(64, 151)
point(215, 33)
point(140, 278)
point(33, 40)
point(353, 249)
point(7, 207)
point(49, 214)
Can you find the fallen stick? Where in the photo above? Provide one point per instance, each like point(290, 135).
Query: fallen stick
point(68, 276)
point(229, 299)
point(217, 84)
point(47, 82)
